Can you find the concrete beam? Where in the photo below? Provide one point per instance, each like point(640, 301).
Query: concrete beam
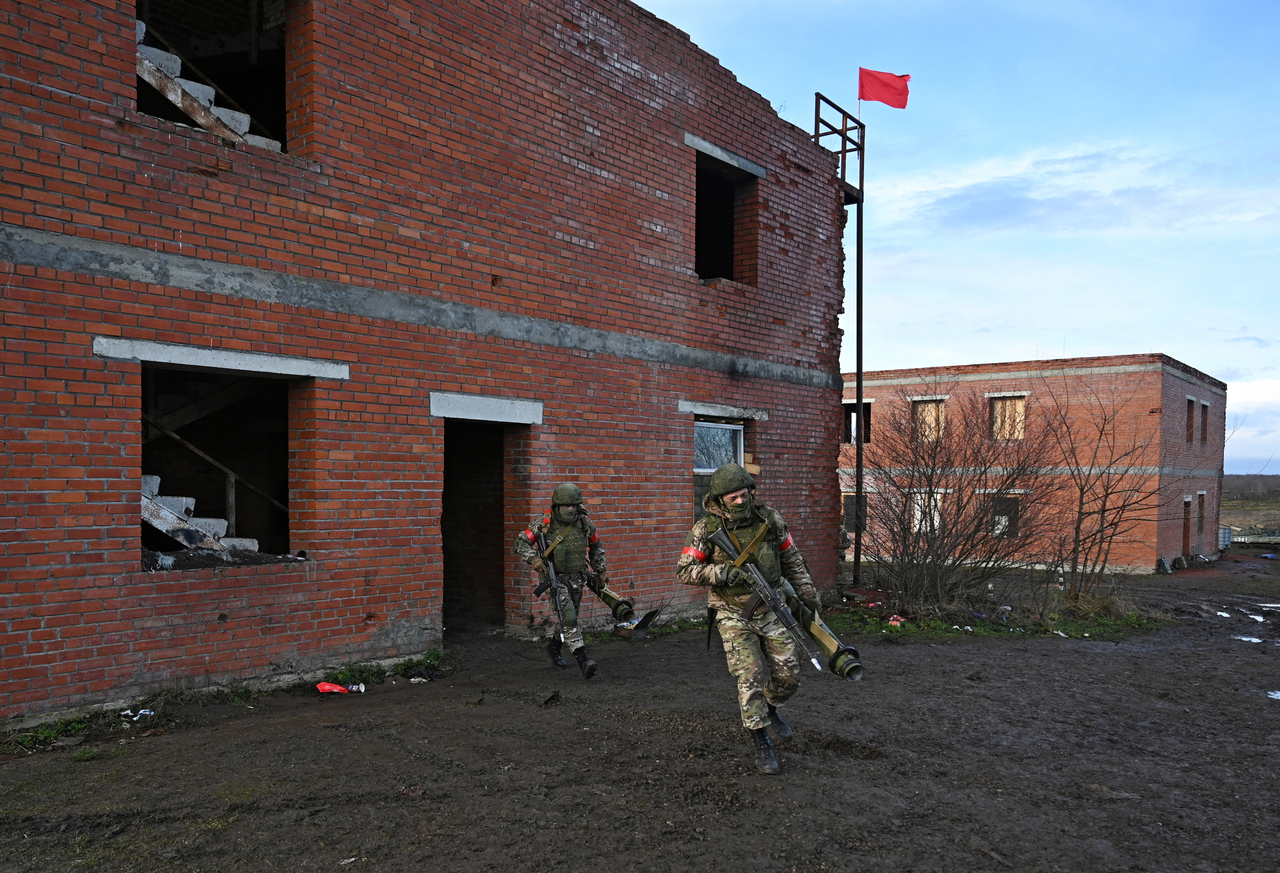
point(89, 257)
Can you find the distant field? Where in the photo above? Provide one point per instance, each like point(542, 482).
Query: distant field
point(1251, 500)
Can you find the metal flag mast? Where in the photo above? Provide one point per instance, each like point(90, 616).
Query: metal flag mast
point(851, 135)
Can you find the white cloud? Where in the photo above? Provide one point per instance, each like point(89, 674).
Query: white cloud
point(1086, 187)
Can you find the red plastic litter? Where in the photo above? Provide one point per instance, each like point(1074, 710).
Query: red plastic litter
point(329, 686)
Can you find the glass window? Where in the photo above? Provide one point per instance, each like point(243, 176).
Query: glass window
point(715, 445)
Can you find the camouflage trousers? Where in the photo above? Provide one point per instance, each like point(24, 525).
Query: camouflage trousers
point(762, 657)
point(571, 588)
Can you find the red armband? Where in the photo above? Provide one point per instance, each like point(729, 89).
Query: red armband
point(786, 544)
point(690, 550)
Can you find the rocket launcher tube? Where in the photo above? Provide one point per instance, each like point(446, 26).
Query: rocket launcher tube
point(842, 660)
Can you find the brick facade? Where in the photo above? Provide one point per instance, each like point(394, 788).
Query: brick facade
point(1147, 395)
point(487, 200)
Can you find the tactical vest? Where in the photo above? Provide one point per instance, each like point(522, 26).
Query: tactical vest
point(765, 556)
point(570, 556)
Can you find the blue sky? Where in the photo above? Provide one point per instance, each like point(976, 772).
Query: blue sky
point(1068, 179)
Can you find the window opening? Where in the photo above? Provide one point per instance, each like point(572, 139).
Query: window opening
point(1200, 514)
point(1008, 418)
point(214, 465)
point(1004, 516)
point(854, 519)
point(1191, 419)
point(714, 445)
point(219, 63)
point(930, 419)
point(852, 421)
point(725, 244)
point(926, 511)
point(1204, 423)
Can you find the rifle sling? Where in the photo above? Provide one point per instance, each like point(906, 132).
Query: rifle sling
point(745, 554)
point(546, 556)
point(753, 603)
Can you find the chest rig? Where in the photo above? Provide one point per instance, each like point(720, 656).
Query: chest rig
point(765, 555)
point(568, 545)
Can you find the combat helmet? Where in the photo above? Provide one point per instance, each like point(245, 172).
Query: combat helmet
point(728, 479)
point(566, 494)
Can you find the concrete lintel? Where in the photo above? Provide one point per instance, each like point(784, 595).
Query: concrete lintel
point(480, 407)
point(747, 166)
point(720, 410)
point(216, 359)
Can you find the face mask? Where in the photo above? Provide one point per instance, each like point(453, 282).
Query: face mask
point(567, 514)
point(738, 511)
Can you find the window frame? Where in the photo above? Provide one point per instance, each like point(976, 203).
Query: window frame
point(1003, 426)
point(938, 427)
point(739, 427)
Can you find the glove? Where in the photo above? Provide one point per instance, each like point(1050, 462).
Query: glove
point(539, 566)
point(730, 575)
point(604, 579)
point(809, 597)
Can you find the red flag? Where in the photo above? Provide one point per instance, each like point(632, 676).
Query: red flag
point(883, 88)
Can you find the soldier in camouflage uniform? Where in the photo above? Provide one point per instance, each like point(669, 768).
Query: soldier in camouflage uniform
point(578, 558)
point(760, 652)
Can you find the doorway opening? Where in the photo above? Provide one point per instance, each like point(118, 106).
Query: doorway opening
point(472, 523)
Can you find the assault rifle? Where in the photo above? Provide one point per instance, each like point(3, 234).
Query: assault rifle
point(843, 660)
point(761, 588)
point(550, 582)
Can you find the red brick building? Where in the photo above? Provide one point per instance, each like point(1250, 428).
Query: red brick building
point(367, 301)
point(1152, 423)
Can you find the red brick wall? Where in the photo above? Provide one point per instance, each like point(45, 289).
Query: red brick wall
point(1146, 394)
point(525, 158)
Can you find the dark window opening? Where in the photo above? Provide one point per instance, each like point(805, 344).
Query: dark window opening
point(231, 51)
point(1204, 423)
point(855, 513)
point(1004, 516)
point(852, 421)
point(725, 234)
point(214, 458)
point(1191, 419)
point(1200, 514)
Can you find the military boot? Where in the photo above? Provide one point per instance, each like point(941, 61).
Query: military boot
point(588, 666)
point(766, 760)
point(781, 729)
point(553, 650)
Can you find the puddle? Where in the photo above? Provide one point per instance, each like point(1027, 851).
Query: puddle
point(1248, 639)
point(1224, 614)
point(1274, 695)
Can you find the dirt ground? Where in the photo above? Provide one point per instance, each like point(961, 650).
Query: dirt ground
point(1158, 753)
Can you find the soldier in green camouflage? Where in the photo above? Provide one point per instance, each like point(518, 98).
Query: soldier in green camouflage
point(577, 554)
point(760, 653)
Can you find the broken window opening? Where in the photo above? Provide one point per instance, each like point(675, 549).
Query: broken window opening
point(215, 466)
point(219, 64)
point(726, 221)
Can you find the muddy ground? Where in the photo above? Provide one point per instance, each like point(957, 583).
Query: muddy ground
point(1157, 753)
